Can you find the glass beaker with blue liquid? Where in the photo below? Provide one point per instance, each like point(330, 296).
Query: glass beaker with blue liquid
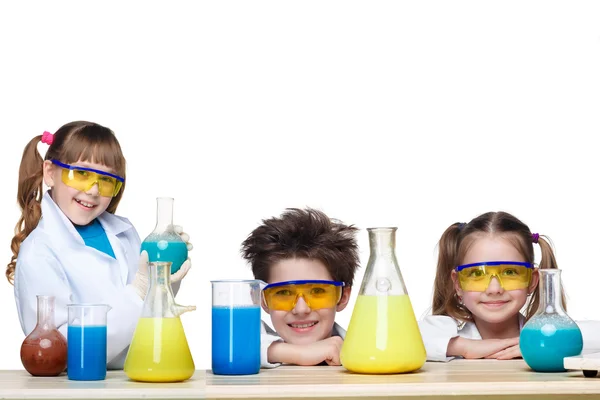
point(164, 244)
point(236, 327)
point(550, 335)
point(86, 341)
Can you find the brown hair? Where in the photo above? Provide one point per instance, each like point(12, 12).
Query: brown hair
point(303, 234)
point(456, 241)
point(73, 142)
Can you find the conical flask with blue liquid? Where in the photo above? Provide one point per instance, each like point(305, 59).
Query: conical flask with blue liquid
point(550, 335)
point(164, 244)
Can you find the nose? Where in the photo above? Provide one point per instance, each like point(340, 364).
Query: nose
point(301, 306)
point(94, 190)
point(494, 286)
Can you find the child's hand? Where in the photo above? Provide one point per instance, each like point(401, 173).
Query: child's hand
point(485, 348)
point(184, 236)
point(327, 350)
point(508, 353)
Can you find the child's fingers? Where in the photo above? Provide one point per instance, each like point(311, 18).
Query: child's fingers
point(184, 236)
point(510, 353)
point(179, 275)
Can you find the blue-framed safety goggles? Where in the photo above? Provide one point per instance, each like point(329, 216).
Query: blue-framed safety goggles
point(316, 293)
point(511, 275)
point(83, 179)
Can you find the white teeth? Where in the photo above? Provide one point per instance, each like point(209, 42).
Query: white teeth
point(88, 205)
point(303, 325)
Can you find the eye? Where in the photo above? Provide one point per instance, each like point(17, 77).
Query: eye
point(283, 292)
point(510, 272)
point(80, 172)
point(107, 179)
point(318, 290)
point(476, 273)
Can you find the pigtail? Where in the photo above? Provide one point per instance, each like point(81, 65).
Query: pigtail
point(548, 261)
point(29, 197)
point(445, 301)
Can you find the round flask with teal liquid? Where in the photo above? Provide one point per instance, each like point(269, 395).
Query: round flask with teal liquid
point(164, 244)
point(550, 335)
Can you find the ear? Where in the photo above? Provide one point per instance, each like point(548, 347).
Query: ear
point(346, 291)
point(49, 170)
point(535, 279)
point(457, 288)
point(264, 304)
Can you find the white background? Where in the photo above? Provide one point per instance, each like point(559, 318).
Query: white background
point(409, 114)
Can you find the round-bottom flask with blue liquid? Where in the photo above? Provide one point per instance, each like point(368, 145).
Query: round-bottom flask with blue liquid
point(550, 335)
point(164, 244)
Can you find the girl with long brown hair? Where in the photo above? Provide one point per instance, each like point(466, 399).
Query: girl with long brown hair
point(486, 288)
point(68, 243)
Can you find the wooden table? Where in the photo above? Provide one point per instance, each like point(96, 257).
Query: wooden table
point(471, 379)
point(457, 379)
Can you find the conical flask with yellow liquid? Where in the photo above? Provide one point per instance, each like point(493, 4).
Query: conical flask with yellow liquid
point(159, 351)
point(383, 336)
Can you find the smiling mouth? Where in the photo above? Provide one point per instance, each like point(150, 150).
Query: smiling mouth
point(494, 303)
point(84, 204)
point(303, 326)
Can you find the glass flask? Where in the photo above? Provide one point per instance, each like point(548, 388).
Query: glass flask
point(383, 336)
point(44, 350)
point(236, 327)
point(164, 244)
point(550, 335)
point(159, 351)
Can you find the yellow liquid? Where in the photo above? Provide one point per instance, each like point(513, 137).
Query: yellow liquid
point(383, 337)
point(159, 352)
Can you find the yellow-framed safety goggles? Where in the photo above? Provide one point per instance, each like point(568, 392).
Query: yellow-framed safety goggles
point(317, 294)
point(83, 179)
point(511, 275)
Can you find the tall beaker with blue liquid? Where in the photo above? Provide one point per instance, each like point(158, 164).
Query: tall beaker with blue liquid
point(164, 244)
point(550, 335)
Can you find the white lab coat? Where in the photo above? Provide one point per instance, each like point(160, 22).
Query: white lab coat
point(437, 330)
point(54, 260)
point(268, 336)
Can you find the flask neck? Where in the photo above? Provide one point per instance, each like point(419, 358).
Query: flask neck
point(45, 312)
point(164, 214)
point(382, 242)
point(550, 291)
point(160, 274)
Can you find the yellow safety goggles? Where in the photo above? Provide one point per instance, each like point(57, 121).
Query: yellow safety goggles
point(511, 275)
point(83, 179)
point(283, 296)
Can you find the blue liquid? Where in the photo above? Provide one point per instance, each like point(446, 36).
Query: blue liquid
point(545, 343)
point(236, 340)
point(166, 250)
point(86, 349)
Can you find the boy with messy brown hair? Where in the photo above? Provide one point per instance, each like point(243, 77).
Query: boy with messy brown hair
point(308, 261)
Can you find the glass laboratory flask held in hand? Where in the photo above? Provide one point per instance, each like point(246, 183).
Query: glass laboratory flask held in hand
point(164, 244)
point(383, 336)
point(159, 351)
point(550, 335)
point(44, 350)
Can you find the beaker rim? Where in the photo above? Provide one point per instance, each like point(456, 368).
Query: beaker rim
point(383, 228)
point(236, 281)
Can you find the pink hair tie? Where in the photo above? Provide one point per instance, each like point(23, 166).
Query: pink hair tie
point(535, 237)
point(47, 137)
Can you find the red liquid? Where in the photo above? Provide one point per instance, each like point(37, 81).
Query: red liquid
point(44, 353)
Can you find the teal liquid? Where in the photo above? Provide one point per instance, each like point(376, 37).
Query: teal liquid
point(545, 342)
point(166, 250)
